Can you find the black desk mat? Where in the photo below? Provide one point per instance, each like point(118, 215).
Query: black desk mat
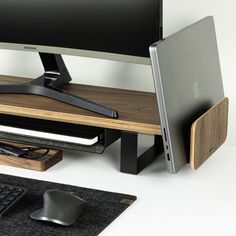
point(102, 208)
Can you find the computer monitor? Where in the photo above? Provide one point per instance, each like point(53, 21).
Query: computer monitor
point(120, 30)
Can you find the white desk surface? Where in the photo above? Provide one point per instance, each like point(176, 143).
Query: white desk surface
point(188, 203)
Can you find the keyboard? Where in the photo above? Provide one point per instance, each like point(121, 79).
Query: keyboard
point(9, 196)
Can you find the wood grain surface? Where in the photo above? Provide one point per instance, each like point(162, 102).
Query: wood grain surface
point(53, 157)
point(138, 111)
point(208, 133)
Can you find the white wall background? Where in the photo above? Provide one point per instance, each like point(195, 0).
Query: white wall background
point(177, 14)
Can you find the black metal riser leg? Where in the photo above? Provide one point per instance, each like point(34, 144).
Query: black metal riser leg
point(130, 162)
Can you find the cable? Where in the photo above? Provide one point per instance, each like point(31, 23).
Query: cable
point(33, 155)
point(25, 152)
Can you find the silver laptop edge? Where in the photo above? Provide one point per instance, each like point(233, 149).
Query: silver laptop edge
point(162, 111)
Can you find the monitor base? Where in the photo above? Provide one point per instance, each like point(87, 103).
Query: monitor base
point(51, 83)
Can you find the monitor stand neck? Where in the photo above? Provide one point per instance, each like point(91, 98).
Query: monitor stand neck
point(55, 70)
point(51, 83)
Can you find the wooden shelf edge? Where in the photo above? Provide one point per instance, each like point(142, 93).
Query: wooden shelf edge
point(82, 119)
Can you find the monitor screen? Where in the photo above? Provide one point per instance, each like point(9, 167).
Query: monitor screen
point(113, 29)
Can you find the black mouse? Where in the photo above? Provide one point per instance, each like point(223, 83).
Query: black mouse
point(59, 207)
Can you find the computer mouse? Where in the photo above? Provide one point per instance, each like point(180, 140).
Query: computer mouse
point(59, 207)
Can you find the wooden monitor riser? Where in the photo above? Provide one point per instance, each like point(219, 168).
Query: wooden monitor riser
point(138, 111)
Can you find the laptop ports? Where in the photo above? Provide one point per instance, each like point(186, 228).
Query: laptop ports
point(168, 156)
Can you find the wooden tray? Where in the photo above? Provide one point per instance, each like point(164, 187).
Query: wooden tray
point(41, 164)
point(208, 133)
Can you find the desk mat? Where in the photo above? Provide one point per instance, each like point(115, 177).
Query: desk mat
point(102, 208)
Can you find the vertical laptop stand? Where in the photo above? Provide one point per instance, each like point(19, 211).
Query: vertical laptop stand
point(208, 133)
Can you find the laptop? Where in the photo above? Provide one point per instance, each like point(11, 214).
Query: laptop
point(87, 141)
point(50, 130)
point(187, 78)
